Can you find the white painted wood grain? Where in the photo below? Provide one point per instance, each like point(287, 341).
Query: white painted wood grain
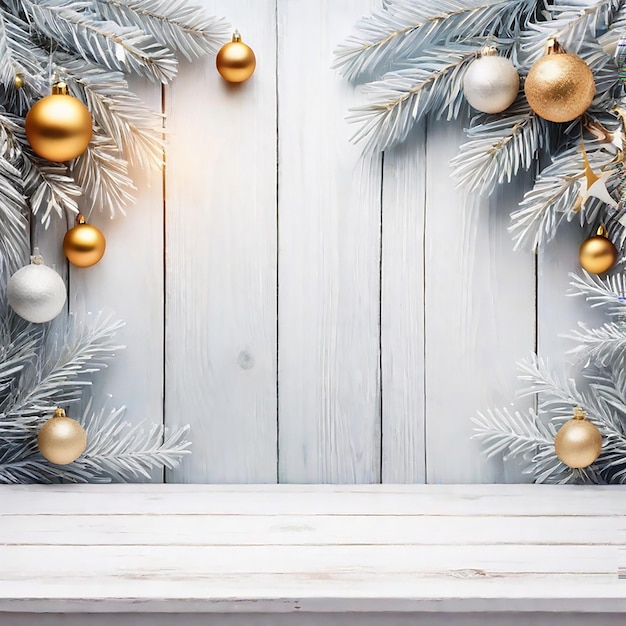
point(221, 259)
point(309, 530)
point(402, 312)
point(128, 283)
point(500, 500)
point(320, 619)
point(479, 314)
point(395, 572)
point(329, 240)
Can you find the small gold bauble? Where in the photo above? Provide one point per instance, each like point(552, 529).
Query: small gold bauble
point(18, 81)
point(58, 127)
point(598, 254)
point(84, 244)
point(578, 442)
point(61, 439)
point(560, 85)
point(235, 61)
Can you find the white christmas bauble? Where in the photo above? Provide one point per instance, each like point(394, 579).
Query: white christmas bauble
point(491, 83)
point(36, 292)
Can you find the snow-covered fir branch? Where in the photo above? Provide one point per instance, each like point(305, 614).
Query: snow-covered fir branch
point(116, 451)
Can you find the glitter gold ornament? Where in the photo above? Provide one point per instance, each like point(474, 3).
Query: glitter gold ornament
point(491, 82)
point(84, 244)
point(61, 439)
point(235, 61)
point(58, 127)
point(36, 292)
point(578, 442)
point(560, 85)
point(598, 254)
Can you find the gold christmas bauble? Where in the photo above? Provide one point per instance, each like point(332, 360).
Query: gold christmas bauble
point(62, 439)
point(235, 61)
point(578, 443)
point(560, 85)
point(84, 244)
point(598, 254)
point(58, 127)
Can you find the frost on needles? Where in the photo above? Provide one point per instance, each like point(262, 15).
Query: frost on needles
point(92, 45)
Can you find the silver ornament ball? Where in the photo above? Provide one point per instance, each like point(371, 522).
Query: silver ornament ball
point(36, 293)
point(491, 83)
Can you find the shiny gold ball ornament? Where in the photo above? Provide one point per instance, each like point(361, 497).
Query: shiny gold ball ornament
point(18, 81)
point(235, 61)
point(598, 254)
point(560, 85)
point(84, 244)
point(58, 127)
point(578, 443)
point(491, 82)
point(61, 439)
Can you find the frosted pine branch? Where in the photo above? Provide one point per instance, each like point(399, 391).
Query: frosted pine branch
point(64, 359)
point(14, 246)
point(103, 175)
point(18, 55)
point(600, 345)
point(49, 188)
point(553, 197)
point(572, 23)
point(82, 32)
point(609, 291)
point(499, 147)
point(515, 434)
point(135, 128)
point(402, 98)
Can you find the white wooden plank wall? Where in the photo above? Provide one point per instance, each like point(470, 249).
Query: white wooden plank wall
point(220, 367)
point(313, 315)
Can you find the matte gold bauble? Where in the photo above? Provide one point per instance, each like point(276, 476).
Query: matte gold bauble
point(578, 442)
point(58, 127)
point(598, 254)
point(84, 245)
point(560, 85)
point(235, 61)
point(61, 439)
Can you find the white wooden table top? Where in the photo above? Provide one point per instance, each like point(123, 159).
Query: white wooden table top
point(228, 549)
